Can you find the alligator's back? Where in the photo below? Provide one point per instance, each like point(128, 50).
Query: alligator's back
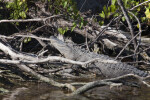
point(107, 66)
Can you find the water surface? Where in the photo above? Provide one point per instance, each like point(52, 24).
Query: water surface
point(43, 91)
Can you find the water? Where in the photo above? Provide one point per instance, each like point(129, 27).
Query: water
point(43, 91)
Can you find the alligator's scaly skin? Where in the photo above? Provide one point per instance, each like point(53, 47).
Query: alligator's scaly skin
point(107, 69)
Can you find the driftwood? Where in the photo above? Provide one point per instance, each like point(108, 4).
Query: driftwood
point(118, 81)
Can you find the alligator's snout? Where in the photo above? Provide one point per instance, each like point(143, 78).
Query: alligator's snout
point(63, 48)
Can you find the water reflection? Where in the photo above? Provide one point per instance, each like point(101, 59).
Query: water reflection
point(42, 91)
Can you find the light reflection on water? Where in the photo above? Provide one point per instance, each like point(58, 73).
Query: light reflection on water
point(42, 91)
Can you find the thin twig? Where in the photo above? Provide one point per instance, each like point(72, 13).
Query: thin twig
point(139, 5)
point(102, 31)
point(140, 31)
point(126, 45)
point(125, 13)
point(136, 53)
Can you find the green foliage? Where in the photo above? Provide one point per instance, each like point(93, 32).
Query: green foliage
point(67, 8)
point(62, 30)
point(18, 9)
point(114, 11)
point(74, 26)
point(27, 39)
point(147, 12)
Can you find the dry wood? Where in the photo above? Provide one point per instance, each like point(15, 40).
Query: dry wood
point(118, 81)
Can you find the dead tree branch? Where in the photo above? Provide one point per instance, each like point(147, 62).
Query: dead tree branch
point(125, 13)
point(121, 80)
point(17, 55)
point(45, 79)
point(29, 20)
point(140, 30)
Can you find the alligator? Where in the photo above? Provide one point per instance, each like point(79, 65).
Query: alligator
point(109, 70)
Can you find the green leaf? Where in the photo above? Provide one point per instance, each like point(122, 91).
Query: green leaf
point(26, 9)
point(113, 8)
point(105, 9)
point(147, 13)
point(81, 24)
point(22, 14)
point(60, 30)
point(108, 14)
point(82, 19)
point(70, 8)
point(67, 29)
point(29, 39)
point(116, 14)
point(125, 2)
point(123, 18)
point(63, 32)
point(25, 40)
point(8, 6)
point(102, 14)
point(65, 4)
point(137, 25)
point(20, 3)
point(109, 8)
point(101, 23)
point(137, 3)
point(138, 9)
point(113, 2)
point(74, 26)
point(143, 19)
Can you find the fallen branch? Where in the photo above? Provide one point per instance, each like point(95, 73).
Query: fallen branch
point(55, 58)
point(25, 58)
point(118, 81)
point(45, 79)
point(18, 55)
point(29, 20)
